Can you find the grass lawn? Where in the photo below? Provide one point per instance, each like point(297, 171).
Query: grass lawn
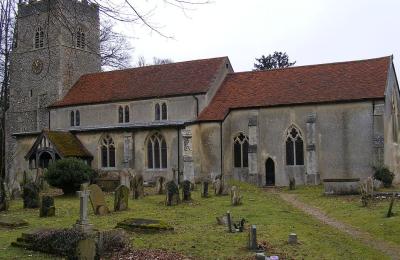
point(196, 233)
point(348, 209)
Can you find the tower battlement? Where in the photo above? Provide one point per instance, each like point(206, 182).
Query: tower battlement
point(34, 6)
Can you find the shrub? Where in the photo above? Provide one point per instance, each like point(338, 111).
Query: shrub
point(384, 175)
point(68, 174)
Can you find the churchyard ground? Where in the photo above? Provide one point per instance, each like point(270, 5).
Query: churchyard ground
point(197, 234)
point(348, 209)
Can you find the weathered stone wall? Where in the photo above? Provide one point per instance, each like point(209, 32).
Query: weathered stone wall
point(142, 111)
point(60, 64)
point(391, 119)
point(137, 151)
point(343, 140)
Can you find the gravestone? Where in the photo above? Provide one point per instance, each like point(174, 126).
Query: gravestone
point(204, 189)
point(218, 187)
point(4, 200)
point(252, 244)
point(125, 179)
point(186, 193)
point(86, 249)
point(12, 222)
point(236, 199)
point(31, 196)
point(137, 187)
point(82, 224)
point(292, 239)
point(172, 194)
point(121, 198)
point(160, 185)
point(97, 200)
point(229, 222)
point(47, 208)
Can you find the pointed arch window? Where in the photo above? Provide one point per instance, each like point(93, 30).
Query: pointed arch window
point(156, 152)
point(77, 118)
point(126, 114)
point(80, 38)
point(157, 112)
point(241, 151)
point(120, 115)
point(164, 111)
point(72, 118)
point(107, 152)
point(395, 118)
point(294, 147)
point(39, 37)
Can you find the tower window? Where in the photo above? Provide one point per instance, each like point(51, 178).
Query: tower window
point(80, 38)
point(39, 37)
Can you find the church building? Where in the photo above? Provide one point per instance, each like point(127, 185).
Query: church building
point(197, 118)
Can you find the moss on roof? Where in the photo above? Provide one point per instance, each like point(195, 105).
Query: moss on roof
point(67, 144)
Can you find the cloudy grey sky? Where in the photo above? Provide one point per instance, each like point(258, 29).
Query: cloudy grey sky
point(310, 31)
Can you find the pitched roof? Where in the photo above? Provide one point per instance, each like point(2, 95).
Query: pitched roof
point(334, 82)
point(181, 78)
point(67, 144)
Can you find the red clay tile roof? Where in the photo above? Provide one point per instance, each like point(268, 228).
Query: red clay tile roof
point(181, 78)
point(345, 81)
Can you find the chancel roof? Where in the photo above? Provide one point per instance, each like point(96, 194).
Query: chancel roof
point(334, 82)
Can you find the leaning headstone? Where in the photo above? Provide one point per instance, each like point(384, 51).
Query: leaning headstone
point(82, 224)
point(121, 198)
point(204, 189)
point(252, 245)
point(31, 196)
point(236, 199)
point(86, 249)
point(172, 194)
point(137, 186)
point(160, 185)
point(97, 200)
point(125, 179)
point(292, 239)
point(390, 213)
point(47, 208)
point(186, 190)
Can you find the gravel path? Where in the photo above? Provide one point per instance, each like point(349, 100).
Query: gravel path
point(389, 249)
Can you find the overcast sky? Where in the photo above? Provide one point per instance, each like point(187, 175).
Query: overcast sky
point(310, 31)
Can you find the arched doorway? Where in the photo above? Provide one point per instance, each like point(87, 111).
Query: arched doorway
point(270, 172)
point(45, 159)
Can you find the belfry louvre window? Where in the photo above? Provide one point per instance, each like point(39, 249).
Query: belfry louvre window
point(294, 147)
point(156, 152)
point(39, 37)
point(107, 152)
point(241, 151)
point(80, 38)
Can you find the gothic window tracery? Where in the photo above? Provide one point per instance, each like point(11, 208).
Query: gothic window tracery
point(241, 151)
point(107, 152)
point(294, 147)
point(156, 152)
point(161, 111)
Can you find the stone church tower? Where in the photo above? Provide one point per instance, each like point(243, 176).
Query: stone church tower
point(57, 41)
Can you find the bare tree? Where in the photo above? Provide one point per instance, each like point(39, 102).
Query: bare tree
point(114, 49)
point(156, 61)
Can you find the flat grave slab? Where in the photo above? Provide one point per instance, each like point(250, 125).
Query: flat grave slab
point(144, 225)
point(12, 222)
